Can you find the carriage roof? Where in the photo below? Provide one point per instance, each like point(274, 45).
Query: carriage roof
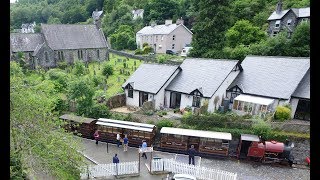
point(75, 118)
point(126, 124)
point(250, 137)
point(196, 133)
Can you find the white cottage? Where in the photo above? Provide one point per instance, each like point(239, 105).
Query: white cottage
point(269, 81)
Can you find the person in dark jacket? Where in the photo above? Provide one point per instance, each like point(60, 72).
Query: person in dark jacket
point(115, 159)
point(192, 152)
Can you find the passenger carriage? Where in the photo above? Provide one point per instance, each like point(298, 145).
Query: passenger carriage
point(136, 132)
point(206, 143)
point(78, 124)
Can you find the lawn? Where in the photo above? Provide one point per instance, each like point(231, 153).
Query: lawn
point(115, 81)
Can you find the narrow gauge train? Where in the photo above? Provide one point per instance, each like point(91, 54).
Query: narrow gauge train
point(206, 143)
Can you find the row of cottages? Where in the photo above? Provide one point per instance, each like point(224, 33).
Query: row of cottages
point(192, 84)
point(287, 19)
point(255, 86)
point(60, 42)
point(165, 36)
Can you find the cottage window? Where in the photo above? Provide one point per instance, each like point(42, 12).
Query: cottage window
point(172, 46)
point(277, 24)
point(173, 37)
point(130, 92)
point(98, 54)
point(289, 22)
point(156, 38)
point(162, 38)
point(196, 99)
point(233, 95)
point(46, 56)
point(274, 33)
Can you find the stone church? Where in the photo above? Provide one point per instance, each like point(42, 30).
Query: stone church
point(61, 42)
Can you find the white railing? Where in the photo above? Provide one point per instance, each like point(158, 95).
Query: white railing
point(197, 171)
point(103, 170)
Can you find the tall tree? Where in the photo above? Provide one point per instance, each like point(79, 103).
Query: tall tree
point(160, 10)
point(300, 40)
point(210, 25)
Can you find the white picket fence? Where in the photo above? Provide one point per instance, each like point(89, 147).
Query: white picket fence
point(199, 172)
point(103, 170)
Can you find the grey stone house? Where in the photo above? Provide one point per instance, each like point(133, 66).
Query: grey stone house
point(60, 42)
point(286, 19)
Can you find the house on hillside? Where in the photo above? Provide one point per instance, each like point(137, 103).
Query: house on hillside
point(137, 13)
point(60, 42)
point(286, 19)
point(269, 81)
point(28, 27)
point(165, 36)
point(192, 84)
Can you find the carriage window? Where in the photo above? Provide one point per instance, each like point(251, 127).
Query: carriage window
point(116, 130)
point(135, 133)
point(109, 129)
point(147, 135)
point(141, 134)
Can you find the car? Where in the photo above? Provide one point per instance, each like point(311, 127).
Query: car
point(183, 177)
point(172, 52)
point(185, 51)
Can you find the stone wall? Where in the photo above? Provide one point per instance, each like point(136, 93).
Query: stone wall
point(292, 126)
point(116, 101)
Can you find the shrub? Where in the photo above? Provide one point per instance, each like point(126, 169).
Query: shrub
point(138, 51)
point(99, 111)
point(61, 105)
point(147, 49)
point(79, 68)
point(97, 80)
point(188, 108)
point(107, 70)
point(149, 112)
point(62, 65)
point(161, 113)
point(145, 44)
point(128, 117)
point(261, 128)
point(164, 123)
point(282, 113)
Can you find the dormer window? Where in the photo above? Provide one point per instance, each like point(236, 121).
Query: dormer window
point(289, 22)
point(277, 24)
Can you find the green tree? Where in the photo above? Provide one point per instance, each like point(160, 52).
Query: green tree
point(243, 32)
point(160, 10)
point(107, 70)
point(52, 20)
point(247, 9)
point(79, 68)
point(81, 92)
point(37, 141)
point(209, 28)
point(300, 40)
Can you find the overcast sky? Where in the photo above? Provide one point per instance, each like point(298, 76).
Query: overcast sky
point(12, 1)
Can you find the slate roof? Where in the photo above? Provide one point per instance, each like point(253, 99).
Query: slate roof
point(70, 36)
point(300, 13)
point(206, 75)
point(160, 29)
point(150, 77)
point(303, 90)
point(271, 76)
point(25, 41)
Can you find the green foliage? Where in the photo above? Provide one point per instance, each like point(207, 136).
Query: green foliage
point(164, 123)
point(79, 68)
point(123, 38)
point(150, 122)
point(62, 65)
point(239, 52)
point(261, 128)
point(16, 169)
point(99, 111)
point(61, 105)
point(138, 51)
point(243, 32)
point(107, 70)
point(160, 10)
point(162, 113)
point(161, 59)
point(149, 112)
point(247, 9)
point(300, 40)
point(282, 113)
point(145, 44)
point(188, 108)
point(147, 49)
point(60, 79)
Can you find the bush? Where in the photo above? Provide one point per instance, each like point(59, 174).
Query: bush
point(149, 113)
point(107, 70)
point(261, 128)
point(79, 68)
point(164, 123)
point(188, 108)
point(147, 50)
point(99, 111)
point(161, 59)
point(282, 113)
point(138, 52)
point(61, 105)
point(145, 44)
point(97, 80)
point(62, 65)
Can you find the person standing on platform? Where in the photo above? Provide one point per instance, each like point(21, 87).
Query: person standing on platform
point(192, 152)
point(115, 159)
point(125, 143)
point(144, 148)
point(96, 136)
point(118, 139)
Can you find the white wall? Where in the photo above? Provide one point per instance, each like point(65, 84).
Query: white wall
point(294, 104)
point(159, 98)
point(182, 37)
point(132, 101)
point(221, 92)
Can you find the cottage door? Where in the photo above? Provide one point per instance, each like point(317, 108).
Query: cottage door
point(143, 97)
point(175, 100)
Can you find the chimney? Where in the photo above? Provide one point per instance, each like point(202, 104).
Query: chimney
point(96, 18)
point(179, 21)
point(168, 22)
point(279, 7)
